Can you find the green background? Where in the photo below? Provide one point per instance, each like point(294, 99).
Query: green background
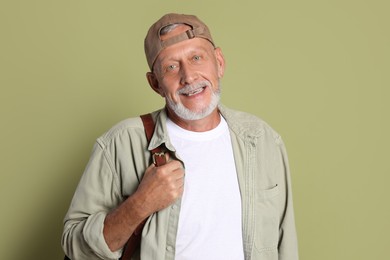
point(317, 71)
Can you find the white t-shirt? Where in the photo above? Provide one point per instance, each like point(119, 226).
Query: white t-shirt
point(210, 224)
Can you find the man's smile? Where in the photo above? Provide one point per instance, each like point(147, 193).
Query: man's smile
point(194, 92)
point(194, 89)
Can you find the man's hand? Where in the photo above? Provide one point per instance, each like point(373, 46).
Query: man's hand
point(160, 187)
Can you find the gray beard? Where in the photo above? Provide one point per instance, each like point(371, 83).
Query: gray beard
point(184, 113)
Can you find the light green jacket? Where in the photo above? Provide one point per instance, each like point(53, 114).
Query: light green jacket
point(119, 159)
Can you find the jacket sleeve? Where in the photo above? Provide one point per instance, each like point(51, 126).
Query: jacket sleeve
point(288, 245)
point(97, 193)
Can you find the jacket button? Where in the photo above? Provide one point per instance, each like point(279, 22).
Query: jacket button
point(170, 248)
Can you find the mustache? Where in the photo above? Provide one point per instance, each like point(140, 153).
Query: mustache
point(189, 88)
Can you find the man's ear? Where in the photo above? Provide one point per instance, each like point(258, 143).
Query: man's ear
point(153, 83)
point(220, 62)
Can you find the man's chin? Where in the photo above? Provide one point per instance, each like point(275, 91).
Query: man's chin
point(188, 114)
point(197, 112)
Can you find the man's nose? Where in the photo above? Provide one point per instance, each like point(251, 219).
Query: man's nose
point(187, 74)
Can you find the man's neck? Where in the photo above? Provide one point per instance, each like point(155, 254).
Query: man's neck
point(205, 124)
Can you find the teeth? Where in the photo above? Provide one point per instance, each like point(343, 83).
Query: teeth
point(197, 91)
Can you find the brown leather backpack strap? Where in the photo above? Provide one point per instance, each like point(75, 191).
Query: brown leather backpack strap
point(158, 155)
point(148, 122)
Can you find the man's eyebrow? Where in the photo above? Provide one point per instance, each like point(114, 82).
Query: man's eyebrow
point(189, 52)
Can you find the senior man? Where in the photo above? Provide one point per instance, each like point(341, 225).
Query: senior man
point(225, 189)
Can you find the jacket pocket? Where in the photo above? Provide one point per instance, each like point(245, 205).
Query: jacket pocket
point(267, 222)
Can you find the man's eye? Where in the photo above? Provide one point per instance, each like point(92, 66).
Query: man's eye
point(196, 58)
point(171, 67)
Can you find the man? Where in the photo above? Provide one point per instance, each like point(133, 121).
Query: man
point(225, 191)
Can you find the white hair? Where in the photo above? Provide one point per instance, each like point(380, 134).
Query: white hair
point(167, 29)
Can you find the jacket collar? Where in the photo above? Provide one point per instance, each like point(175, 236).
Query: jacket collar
point(245, 126)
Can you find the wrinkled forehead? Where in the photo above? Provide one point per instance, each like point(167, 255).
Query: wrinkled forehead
point(184, 49)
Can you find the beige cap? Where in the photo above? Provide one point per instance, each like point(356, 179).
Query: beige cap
point(153, 43)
